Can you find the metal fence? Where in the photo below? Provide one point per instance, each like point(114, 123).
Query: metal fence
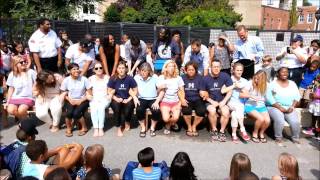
point(273, 40)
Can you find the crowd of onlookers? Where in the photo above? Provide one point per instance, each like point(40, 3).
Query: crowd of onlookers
point(221, 82)
point(28, 158)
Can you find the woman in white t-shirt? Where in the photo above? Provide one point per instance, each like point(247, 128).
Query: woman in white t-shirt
point(99, 100)
point(78, 87)
point(255, 106)
point(172, 84)
point(20, 82)
point(47, 92)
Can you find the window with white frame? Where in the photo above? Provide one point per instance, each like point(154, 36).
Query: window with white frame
point(310, 18)
point(269, 2)
point(301, 18)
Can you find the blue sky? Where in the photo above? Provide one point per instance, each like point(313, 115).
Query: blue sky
point(315, 2)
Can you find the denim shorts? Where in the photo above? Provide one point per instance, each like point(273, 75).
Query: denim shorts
point(249, 108)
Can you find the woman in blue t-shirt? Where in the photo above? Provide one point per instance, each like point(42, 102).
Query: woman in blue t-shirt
point(164, 49)
point(193, 83)
point(122, 88)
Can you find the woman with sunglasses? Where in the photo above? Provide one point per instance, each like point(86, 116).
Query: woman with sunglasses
point(20, 82)
point(76, 101)
point(99, 100)
point(122, 88)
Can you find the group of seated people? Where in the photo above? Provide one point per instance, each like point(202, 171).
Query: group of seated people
point(28, 158)
point(163, 84)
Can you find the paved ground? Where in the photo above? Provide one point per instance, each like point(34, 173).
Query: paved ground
point(211, 160)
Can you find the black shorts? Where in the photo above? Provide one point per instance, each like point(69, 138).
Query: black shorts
point(198, 106)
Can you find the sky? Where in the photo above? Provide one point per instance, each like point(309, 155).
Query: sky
point(315, 2)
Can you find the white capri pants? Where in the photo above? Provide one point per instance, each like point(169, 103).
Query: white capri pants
point(237, 113)
point(42, 109)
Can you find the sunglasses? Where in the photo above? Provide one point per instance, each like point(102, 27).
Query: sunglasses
point(22, 62)
point(97, 68)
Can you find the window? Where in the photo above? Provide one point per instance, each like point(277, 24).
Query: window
point(91, 8)
point(269, 2)
point(86, 20)
point(310, 18)
point(85, 9)
point(301, 18)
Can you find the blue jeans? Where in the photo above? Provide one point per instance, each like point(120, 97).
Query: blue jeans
point(98, 112)
point(279, 119)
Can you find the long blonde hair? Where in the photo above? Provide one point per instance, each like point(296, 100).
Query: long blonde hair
point(15, 60)
point(164, 71)
point(288, 166)
point(261, 86)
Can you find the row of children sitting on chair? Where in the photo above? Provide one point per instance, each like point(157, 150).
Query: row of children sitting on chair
point(166, 96)
point(25, 159)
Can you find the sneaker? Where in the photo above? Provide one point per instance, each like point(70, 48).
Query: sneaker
point(245, 136)
point(308, 131)
point(296, 141)
point(222, 137)
point(214, 135)
point(166, 131)
point(235, 139)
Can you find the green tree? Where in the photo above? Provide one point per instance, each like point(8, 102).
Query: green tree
point(112, 14)
point(152, 11)
point(211, 13)
point(293, 17)
point(129, 14)
point(53, 9)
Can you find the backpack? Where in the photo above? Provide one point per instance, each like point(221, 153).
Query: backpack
point(127, 174)
point(12, 156)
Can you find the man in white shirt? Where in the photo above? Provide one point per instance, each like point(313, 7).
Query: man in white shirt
point(83, 54)
point(45, 47)
point(294, 58)
point(200, 54)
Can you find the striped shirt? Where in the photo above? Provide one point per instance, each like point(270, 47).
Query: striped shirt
point(139, 174)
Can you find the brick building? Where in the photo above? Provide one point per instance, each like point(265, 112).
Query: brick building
point(306, 19)
point(274, 18)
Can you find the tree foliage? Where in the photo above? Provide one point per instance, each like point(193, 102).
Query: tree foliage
point(53, 9)
point(112, 14)
point(293, 17)
point(152, 11)
point(129, 14)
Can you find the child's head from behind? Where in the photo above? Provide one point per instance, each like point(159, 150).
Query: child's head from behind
point(37, 150)
point(266, 61)
point(146, 157)
point(288, 166)
point(181, 167)
point(93, 156)
point(240, 163)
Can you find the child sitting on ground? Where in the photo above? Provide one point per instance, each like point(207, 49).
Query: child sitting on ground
point(145, 169)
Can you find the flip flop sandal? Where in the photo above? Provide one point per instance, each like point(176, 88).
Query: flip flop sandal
point(189, 133)
point(142, 134)
point(82, 133)
point(263, 140)
point(69, 133)
point(255, 139)
point(195, 133)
